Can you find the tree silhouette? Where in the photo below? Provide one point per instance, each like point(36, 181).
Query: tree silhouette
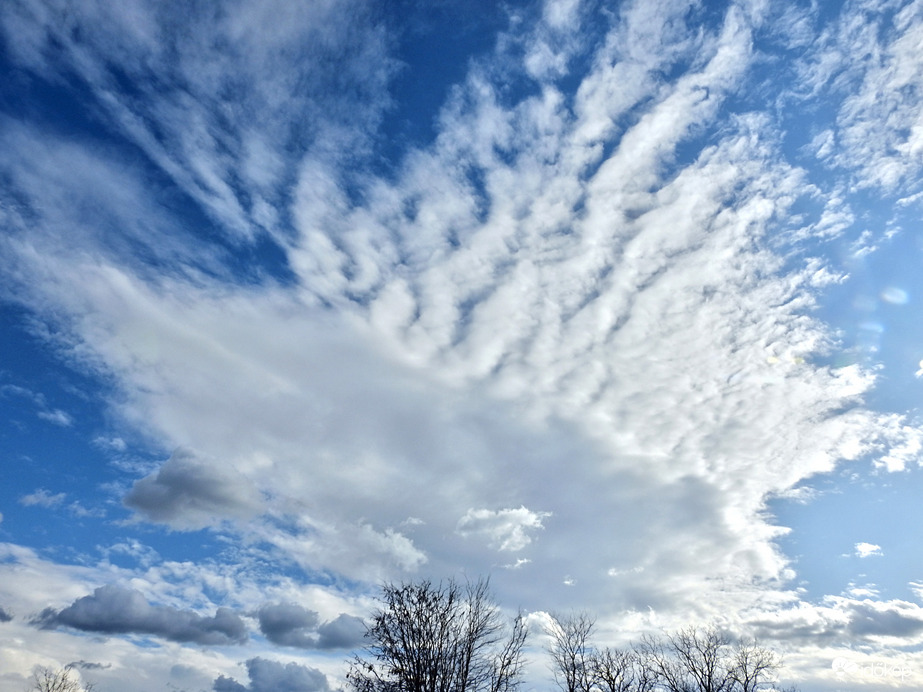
point(57, 680)
point(442, 637)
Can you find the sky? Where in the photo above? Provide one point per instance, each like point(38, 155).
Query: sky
point(616, 303)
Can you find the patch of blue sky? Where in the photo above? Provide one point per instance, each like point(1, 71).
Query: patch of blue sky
point(57, 443)
point(65, 107)
point(846, 514)
point(872, 308)
point(197, 244)
point(435, 44)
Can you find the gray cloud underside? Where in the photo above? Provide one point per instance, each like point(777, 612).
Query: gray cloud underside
point(845, 621)
point(113, 609)
point(189, 492)
point(272, 676)
point(289, 624)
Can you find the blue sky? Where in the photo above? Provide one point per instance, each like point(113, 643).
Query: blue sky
point(614, 302)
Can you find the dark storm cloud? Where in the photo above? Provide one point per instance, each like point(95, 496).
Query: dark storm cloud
point(289, 624)
point(115, 610)
point(189, 492)
point(5, 615)
point(271, 676)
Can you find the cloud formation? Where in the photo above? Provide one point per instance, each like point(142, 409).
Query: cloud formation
point(288, 624)
point(273, 676)
point(864, 549)
point(869, 59)
point(189, 492)
point(112, 609)
point(843, 621)
point(579, 330)
point(42, 498)
point(505, 529)
point(470, 332)
point(214, 62)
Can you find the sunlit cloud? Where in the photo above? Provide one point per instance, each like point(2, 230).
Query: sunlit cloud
point(867, 549)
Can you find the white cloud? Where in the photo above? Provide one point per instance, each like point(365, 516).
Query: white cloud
point(504, 529)
point(869, 57)
point(115, 444)
point(555, 306)
point(867, 549)
point(844, 621)
point(42, 498)
point(213, 62)
point(58, 417)
point(865, 591)
point(490, 340)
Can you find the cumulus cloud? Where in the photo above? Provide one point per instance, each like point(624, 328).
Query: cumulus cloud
point(841, 620)
point(343, 632)
point(867, 549)
point(114, 609)
point(189, 492)
point(273, 676)
point(289, 624)
point(504, 529)
point(890, 619)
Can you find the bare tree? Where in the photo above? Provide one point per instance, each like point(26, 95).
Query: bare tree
point(443, 637)
point(621, 670)
point(658, 658)
point(60, 680)
point(703, 656)
point(578, 666)
point(706, 660)
point(571, 651)
point(754, 667)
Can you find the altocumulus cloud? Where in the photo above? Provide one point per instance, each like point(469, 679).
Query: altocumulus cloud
point(580, 322)
point(272, 676)
point(112, 609)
